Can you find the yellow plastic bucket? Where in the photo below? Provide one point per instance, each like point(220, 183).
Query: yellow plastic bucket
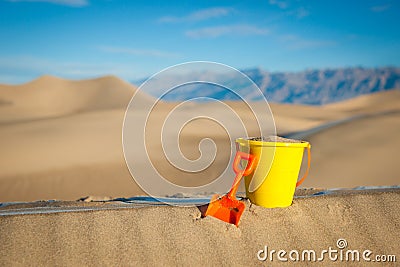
point(274, 180)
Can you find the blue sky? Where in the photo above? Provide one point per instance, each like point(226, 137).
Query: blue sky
point(134, 39)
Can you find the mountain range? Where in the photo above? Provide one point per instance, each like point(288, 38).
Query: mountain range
point(309, 87)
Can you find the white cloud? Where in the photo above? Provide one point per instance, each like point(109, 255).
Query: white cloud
point(212, 32)
point(199, 15)
point(279, 3)
point(72, 3)
point(301, 12)
point(138, 52)
point(301, 44)
point(380, 8)
point(294, 42)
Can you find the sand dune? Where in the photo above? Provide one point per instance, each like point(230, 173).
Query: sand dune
point(368, 103)
point(293, 118)
point(173, 236)
point(61, 139)
point(364, 148)
point(50, 96)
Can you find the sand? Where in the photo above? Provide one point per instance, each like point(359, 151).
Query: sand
point(70, 146)
point(173, 236)
point(61, 140)
point(274, 138)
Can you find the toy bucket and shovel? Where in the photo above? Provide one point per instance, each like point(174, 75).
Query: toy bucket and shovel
point(271, 175)
point(274, 180)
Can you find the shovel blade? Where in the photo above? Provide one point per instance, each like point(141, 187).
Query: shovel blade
point(226, 209)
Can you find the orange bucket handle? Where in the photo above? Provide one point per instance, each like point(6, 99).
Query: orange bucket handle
point(299, 182)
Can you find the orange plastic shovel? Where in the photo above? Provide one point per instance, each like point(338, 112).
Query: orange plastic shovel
point(227, 208)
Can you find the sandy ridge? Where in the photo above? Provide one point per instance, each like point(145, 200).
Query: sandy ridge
point(179, 236)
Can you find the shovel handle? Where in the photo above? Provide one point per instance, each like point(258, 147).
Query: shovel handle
point(232, 193)
point(250, 163)
point(308, 166)
point(239, 172)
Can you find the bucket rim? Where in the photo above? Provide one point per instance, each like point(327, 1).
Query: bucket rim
point(244, 141)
